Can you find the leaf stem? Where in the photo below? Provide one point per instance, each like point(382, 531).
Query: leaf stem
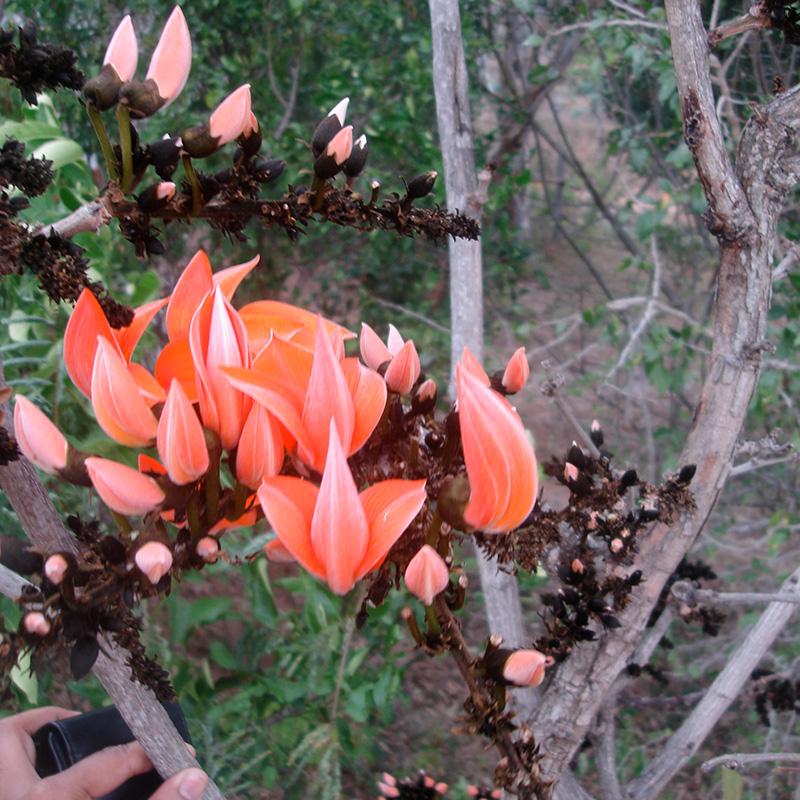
point(197, 195)
point(126, 146)
point(102, 137)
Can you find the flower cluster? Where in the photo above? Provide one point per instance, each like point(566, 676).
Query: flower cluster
point(256, 411)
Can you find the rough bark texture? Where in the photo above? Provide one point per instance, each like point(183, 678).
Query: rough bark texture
point(744, 207)
point(450, 80)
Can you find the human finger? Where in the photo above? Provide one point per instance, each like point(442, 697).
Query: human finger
point(188, 784)
point(30, 721)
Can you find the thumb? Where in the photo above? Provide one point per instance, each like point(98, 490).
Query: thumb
point(186, 785)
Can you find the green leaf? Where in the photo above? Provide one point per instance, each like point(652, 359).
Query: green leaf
point(24, 679)
point(202, 611)
point(60, 152)
point(732, 785)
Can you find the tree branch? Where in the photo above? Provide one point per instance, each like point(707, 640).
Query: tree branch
point(738, 760)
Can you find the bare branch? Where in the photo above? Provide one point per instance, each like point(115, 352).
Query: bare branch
point(684, 591)
point(737, 760)
point(756, 18)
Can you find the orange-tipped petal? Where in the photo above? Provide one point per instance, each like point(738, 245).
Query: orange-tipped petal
point(151, 390)
point(288, 505)
point(154, 559)
point(259, 453)
point(340, 147)
point(340, 534)
point(472, 365)
point(426, 574)
point(86, 323)
point(327, 399)
point(172, 58)
point(368, 391)
point(229, 279)
point(275, 551)
point(373, 350)
point(123, 50)
point(193, 285)
point(247, 520)
point(128, 338)
point(122, 488)
point(39, 439)
point(174, 362)
point(404, 370)
point(501, 465)
point(390, 507)
point(119, 407)
point(517, 372)
point(231, 116)
point(525, 668)
point(180, 441)
point(147, 463)
point(394, 341)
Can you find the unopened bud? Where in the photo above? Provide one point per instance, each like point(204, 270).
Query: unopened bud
point(329, 126)
point(596, 433)
point(578, 566)
point(55, 568)
point(516, 373)
point(102, 91)
point(155, 197)
point(426, 574)
point(208, 549)
point(421, 185)
point(154, 559)
point(616, 545)
point(36, 623)
point(357, 159)
point(164, 156)
point(141, 97)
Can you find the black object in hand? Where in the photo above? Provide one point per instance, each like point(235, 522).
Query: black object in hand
point(62, 743)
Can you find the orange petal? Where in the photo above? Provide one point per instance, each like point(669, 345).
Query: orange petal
point(229, 279)
point(390, 507)
point(231, 116)
point(426, 574)
point(285, 317)
point(147, 463)
point(172, 58)
point(128, 338)
point(404, 370)
point(368, 391)
point(517, 372)
point(501, 465)
point(247, 520)
point(259, 453)
point(150, 389)
point(174, 362)
point(193, 285)
point(327, 399)
point(123, 50)
point(288, 505)
point(122, 488)
point(180, 441)
point(340, 534)
point(39, 439)
point(373, 350)
point(287, 366)
point(472, 365)
point(119, 408)
point(86, 323)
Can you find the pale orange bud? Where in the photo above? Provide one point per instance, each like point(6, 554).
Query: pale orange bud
point(578, 566)
point(616, 545)
point(165, 190)
point(387, 778)
point(37, 437)
point(55, 568)
point(123, 50)
point(340, 147)
point(525, 668)
point(260, 451)
point(440, 787)
point(181, 442)
point(36, 623)
point(404, 370)
point(230, 118)
point(426, 391)
point(154, 559)
point(208, 549)
point(517, 372)
point(373, 350)
point(426, 574)
point(251, 126)
point(123, 489)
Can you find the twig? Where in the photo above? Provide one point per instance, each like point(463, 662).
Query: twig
point(736, 761)
point(760, 463)
point(11, 584)
point(684, 591)
point(757, 18)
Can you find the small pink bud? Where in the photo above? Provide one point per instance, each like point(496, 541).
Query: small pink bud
point(427, 390)
point(429, 782)
point(625, 533)
point(208, 549)
point(36, 623)
point(578, 566)
point(39, 439)
point(426, 574)
point(570, 472)
point(386, 777)
point(154, 559)
point(165, 190)
point(525, 668)
point(616, 545)
point(404, 369)
point(517, 372)
point(472, 791)
point(592, 523)
point(55, 568)
point(389, 791)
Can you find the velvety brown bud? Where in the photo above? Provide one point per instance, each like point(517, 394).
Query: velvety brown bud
point(156, 197)
point(421, 185)
point(102, 91)
point(453, 499)
point(141, 98)
point(596, 433)
point(198, 141)
point(329, 126)
point(358, 158)
point(164, 156)
point(269, 169)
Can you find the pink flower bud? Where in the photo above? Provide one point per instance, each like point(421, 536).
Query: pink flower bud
point(427, 390)
point(40, 441)
point(441, 788)
point(525, 668)
point(389, 791)
point(122, 488)
point(570, 472)
point(616, 545)
point(36, 623)
point(426, 574)
point(208, 549)
point(517, 372)
point(578, 566)
point(404, 370)
point(340, 147)
point(165, 190)
point(154, 559)
point(55, 568)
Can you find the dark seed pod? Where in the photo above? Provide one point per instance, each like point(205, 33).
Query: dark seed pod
point(687, 473)
point(164, 156)
point(141, 97)
point(267, 170)
point(585, 635)
point(154, 246)
point(635, 578)
point(628, 479)
point(598, 604)
point(84, 654)
point(421, 185)
point(582, 618)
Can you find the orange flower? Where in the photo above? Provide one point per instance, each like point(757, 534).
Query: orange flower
point(181, 442)
point(426, 574)
point(404, 366)
point(41, 442)
point(123, 489)
point(217, 339)
point(336, 533)
point(306, 392)
point(501, 465)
